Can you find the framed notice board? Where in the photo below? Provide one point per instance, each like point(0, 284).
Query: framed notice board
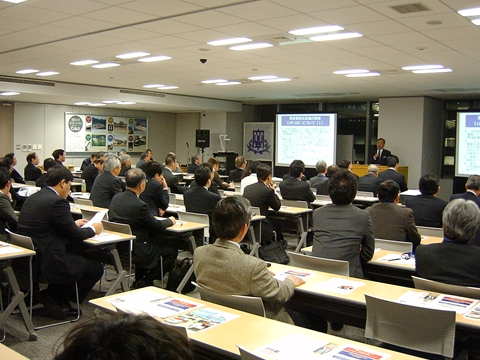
point(92, 133)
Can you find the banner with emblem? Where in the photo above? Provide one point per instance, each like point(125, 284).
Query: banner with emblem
point(258, 141)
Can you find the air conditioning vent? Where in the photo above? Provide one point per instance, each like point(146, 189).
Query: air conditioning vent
point(410, 8)
point(141, 93)
point(26, 81)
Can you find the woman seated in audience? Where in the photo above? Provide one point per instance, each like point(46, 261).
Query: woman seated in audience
point(216, 178)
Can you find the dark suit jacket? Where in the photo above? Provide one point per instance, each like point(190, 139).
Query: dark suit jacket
point(220, 184)
point(127, 208)
point(172, 182)
point(90, 173)
point(338, 232)
point(7, 216)
point(198, 199)
point(369, 183)
point(294, 189)
point(46, 218)
point(468, 195)
point(124, 169)
point(31, 172)
point(393, 222)
point(192, 168)
point(320, 182)
point(41, 181)
point(105, 187)
point(381, 160)
point(85, 163)
point(142, 164)
point(427, 210)
point(155, 196)
point(15, 175)
point(391, 174)
point(449, 263)
point(235, 175)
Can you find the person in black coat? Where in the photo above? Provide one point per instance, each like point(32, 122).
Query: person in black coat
point(320, 181)
point(58, 240)
point(31, 171)
point(156, 190)
point(370, 181)
point(294, 188)
point(235, 175)
point(14, 173)
point(194, 165)
point(47, 164)
point(107, 184)
point(127, 208)
point(171, 179)
point(91, 172)
point(381, 155)
point(392, 174)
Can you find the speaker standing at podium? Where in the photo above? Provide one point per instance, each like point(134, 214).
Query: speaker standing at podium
point(380, 157)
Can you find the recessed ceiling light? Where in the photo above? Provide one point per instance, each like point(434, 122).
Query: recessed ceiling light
point(263, 77)
point(231, 41)
point(47, 73)
point(250, 46)
point(132, 55)
point(339, 36)
point(316, 30)
point(111, 101)
point(363, 74)
point(81, 103)
point(431, 71)
point(126, 103)
point(151, 86)
point(276, 80)
point(422, 67)
point(476, 21)
point(168, 87)
point(229, 83)
point(15, 1)
point(213, 81)
point(9, 93)
point(105, 65)
point(470, 12)
point(27, 71)
point(84, 62)
point(155, 58)
point(353, 71)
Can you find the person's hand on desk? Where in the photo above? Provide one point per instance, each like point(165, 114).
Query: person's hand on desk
point(173, 220)
point(98, 227)
point(296, 280)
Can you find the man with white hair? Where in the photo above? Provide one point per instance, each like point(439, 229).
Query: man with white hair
point(107, 184)
point(320, 181)
point(370, 181)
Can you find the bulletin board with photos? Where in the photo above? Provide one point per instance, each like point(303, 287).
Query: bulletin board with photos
point(92, 133)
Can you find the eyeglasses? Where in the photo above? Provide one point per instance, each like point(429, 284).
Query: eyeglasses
point(408, 256)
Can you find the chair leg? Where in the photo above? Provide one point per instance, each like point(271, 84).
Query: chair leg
point(1, 309)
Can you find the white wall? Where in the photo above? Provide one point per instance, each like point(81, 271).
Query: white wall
point(216, 122)
point(235, 123)
point(186, 125)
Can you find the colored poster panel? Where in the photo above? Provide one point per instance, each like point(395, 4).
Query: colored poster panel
point(258, 141)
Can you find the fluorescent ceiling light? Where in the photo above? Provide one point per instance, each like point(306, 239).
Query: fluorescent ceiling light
point(155, 58)
point(229, 83)
point(476, 21)
point(151, 86)
point(276, 80)
point(339, 36)
point(263, 77)
point(9, 93)
point(316, 30)
point(363, 74)
point(431, 71)
point(422, 67)
point(47, 73)
point(84, 62)
point(250, 46)
point(214, 81)
point(111, 101)
point(132, 55)
point(168, 87)
point(470, 12)
point(344, 72)
point(83, 103)
point(105, 65)
point(231, 41)
point(15, 1)
point(126, 103)
point(97, 104)
point(27, 71)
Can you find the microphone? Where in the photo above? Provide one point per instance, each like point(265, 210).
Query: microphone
point(187, 145)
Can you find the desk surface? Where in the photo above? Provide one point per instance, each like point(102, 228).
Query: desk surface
point(10, 251)
point(358, 199)
point(76, 208)
point(250, 331)
point(108, 237)
point(19, 185)
point(292, 210)
point(9, 354)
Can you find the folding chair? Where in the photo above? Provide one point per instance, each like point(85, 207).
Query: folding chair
point(392, 245)
point(338, 267)
point(430, 285)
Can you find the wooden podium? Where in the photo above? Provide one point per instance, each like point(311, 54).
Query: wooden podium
point(361, 170)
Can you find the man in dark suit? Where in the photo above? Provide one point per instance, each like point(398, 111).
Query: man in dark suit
point(144, 159)
point(320, 181)
point(31, 171)
point(88, 161)
point(390, 221)
point(370, 181)
point(294, 188)
point(90, 173)
point(8, 218)
point(194, 165)
point(172, 180)
point(156, 190)
point(126, 161)
point(59, 156)
point(61, 257)
point(47, 164)
point(381, 155)
point(262, 195)
point(235, 175)
point(427, 208)
point(127, 208)
point(342, 231)
point(15, 175)
point(347, 165)
point(392, 174)
point(107, 184)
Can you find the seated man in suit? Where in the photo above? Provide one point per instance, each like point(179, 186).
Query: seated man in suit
point(127, 208)
point(31, 171)
point(14, 173)
point(320, 181)
point(47, 164)
point(427, 208)
point(381, 155)
point(223, 267)
point(171, 179)
point(392, 174)
point(390, 221)
point(107, 184)
point(59, 155)
point(126, 161)
point(194, 165)
point(342, 231)
point(262, 195)
point(144, 159)
point(294, 188)
point(58, 240)
point(91, 172)
point(370, 181)
point(156, 190)
point(88, 161)
point(7, 163)
point(235, 175)
point(8, 218)
point(347, 165)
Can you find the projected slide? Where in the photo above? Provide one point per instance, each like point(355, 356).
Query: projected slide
point(468, 144)
point(307, 137)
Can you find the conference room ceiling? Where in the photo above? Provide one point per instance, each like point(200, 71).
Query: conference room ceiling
point(48, 35)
